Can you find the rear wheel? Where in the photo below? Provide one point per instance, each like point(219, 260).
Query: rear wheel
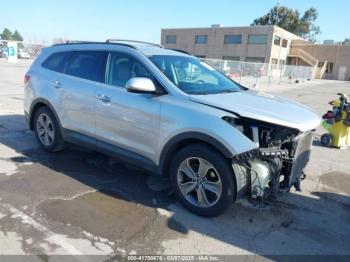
point(203, 180)
point(47, 130)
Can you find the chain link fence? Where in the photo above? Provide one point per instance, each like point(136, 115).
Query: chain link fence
point(253, 74)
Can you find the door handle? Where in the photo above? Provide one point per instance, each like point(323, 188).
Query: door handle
point(56, 84)
point(103, 98)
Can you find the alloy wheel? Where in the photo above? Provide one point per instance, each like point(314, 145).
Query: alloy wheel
point(45, 129)
point(199, 182)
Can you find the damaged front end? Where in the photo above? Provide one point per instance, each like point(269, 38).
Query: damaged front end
point(277, 164)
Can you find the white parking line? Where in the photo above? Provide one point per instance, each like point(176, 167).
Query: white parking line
point(51, 237)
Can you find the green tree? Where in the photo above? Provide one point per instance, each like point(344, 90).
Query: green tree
point(6, 34)
point(17, 36)
point(346, 41)
point(290, 20)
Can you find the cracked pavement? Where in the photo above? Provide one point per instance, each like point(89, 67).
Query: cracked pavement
point(84, 203)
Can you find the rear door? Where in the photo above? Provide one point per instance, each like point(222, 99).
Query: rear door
point(76, 88)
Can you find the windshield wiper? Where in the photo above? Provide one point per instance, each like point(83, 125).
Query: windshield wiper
point(227, 91)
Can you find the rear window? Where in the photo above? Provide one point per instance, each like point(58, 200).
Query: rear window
point(56, 62)
point(88, 65)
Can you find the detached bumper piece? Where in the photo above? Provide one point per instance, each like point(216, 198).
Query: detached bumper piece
point(301, 158)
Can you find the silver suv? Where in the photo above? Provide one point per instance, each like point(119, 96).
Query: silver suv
point(169, 113)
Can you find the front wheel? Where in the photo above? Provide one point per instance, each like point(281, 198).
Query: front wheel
point(203, 180)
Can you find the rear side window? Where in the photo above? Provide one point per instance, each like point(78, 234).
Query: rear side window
point(89, 65)
point(56, 62)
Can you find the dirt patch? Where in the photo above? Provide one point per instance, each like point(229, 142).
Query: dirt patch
point(337, 180)
point(101, 215)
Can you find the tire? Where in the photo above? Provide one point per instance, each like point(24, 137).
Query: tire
point(209, 188)
point(47, 130)
point(326, 140)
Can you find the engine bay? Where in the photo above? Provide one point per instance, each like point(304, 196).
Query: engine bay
point(278, 162)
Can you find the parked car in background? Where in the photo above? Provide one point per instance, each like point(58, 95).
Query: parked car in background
point(3, 51)
point(172, 114)
point(23, 54)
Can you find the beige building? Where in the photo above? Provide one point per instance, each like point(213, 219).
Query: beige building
point(262, 44)
point(330, 61)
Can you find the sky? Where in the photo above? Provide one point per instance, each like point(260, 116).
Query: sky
point(98, 20)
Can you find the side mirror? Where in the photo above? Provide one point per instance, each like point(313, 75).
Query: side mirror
point(140, 85)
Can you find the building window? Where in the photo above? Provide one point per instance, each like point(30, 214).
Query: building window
point(200, 39)
point(257, 39)
point(282, 62)
point(329, 68)
point(232, 39)
point(277, 40)
point(255, 59)
point(274, 61)
point(232, 58)
point(170, 39)
point(284, 42)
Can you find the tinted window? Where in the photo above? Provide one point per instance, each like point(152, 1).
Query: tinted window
point(257, 39)
point(56, 62)
point(232, 39)
point(88, 65)
point(122, 67)
point(201, 39)
point(170, 39)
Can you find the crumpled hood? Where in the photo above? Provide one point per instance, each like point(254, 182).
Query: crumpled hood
point(264, 107)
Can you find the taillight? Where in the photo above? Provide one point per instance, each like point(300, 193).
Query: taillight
point(26, 78)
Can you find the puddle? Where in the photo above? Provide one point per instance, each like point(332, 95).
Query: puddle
point(338, 180)
point(102, 215)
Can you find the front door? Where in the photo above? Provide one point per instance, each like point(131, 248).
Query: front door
point(126, 122)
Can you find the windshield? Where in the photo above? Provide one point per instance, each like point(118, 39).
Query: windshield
point(193, 76)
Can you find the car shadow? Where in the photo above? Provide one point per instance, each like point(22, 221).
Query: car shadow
point(292, 224)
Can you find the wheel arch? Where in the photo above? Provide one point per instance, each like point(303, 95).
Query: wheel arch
point(184, 139)
point(38, 103)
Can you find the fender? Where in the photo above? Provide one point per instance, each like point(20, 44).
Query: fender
point(174, 142)
point(33, 108)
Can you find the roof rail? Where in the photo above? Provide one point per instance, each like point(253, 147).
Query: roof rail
point(77, 42)
point(111, 41)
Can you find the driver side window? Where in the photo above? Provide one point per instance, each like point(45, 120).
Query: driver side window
point(122, 67)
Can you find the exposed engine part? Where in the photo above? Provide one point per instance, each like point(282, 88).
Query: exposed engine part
point(255, 133)
point(278, 162)
point(260, 174)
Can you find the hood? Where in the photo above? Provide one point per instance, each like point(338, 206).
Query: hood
point(264, 107)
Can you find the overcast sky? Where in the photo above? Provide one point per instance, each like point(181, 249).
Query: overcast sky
point(40, 20)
